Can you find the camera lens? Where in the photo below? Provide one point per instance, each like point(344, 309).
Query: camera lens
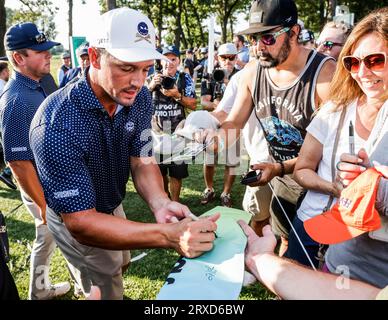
point(218, 75)
point(168, 82)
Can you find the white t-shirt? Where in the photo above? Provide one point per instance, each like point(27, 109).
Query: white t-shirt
point(252, 134)
point(324, 128)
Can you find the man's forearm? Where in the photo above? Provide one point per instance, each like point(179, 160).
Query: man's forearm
point(105, 231)
point(292, 281)
point(148, 182)
point(188, 102)
point(27, 178)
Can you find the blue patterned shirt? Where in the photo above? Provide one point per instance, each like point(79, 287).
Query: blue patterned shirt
point(82, 154)
point(20, 100)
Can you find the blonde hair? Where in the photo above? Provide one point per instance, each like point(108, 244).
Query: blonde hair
point(343, 88)
point(344, 27)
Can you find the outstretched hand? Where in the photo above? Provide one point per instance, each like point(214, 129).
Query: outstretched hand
point(256, 245)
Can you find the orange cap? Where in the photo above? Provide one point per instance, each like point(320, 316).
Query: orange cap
point(352, 215)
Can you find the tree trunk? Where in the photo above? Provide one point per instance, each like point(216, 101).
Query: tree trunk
point(333, 4)
point(188, 39)
point(231, 26)
point(178, 30)
point(322, 20)
point(160, 21)
point(195, 12)
point(3, 26)
point(70, 19)
point(111, 4)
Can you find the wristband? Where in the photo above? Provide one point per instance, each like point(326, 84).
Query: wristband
point(282, 169)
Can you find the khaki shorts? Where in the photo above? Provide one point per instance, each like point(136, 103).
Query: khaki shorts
point(90, 265)
point(257, 202)
point(288, 193)
point(261, 203)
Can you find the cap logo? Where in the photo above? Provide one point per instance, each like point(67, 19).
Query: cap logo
point(40, 38)
point(288, 19)
point(345, 203)
point(256, 17)
point(142, 32)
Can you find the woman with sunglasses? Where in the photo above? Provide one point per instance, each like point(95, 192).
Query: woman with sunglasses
point(358, 93)
point(332, 38)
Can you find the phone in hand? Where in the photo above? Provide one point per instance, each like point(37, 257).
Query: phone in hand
point(250, 177)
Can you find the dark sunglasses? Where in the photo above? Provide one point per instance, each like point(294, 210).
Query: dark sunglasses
point(228, 57)
point(269, 39)
point(328, 45)
point(374, 62)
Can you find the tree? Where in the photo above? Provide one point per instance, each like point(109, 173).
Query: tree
point(225, 9)
point(70, 20)
point(111, 4)
point(40, 12)
point(315, 14)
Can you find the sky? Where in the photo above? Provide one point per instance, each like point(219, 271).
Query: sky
point(83, 17)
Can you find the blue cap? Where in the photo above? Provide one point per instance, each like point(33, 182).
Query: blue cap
point(27, 36)
point(66, 55)
point(171, 49)
point(82, 49)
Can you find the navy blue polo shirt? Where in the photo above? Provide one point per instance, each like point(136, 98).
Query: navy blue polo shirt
point(18, 105)
point(82, 154)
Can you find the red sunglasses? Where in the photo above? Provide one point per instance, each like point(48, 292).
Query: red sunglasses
point(374, 62)
point(269, 38)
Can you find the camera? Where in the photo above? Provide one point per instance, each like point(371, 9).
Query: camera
point(167, 82)
point(250, 177)
point(217, 79)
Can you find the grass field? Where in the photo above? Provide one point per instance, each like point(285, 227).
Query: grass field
point(145, 277)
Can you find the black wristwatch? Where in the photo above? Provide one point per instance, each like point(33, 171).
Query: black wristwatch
point(282, 169)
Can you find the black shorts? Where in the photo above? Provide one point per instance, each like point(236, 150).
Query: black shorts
point(177, 171)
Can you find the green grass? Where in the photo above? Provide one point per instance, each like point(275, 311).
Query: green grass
point(145, 277)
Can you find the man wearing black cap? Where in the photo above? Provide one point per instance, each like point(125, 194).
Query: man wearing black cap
point(290, 82)
point(28, 51)
point(170, 104)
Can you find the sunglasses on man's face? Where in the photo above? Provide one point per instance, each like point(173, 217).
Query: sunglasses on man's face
point(328, 45)
point(228, 57)
point(374, 62)
point(269, 39)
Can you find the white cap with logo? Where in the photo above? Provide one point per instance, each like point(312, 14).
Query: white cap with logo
point(227, 48)
point(126, 34)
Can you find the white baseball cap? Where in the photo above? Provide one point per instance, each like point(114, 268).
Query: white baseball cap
point(126, 34)
point(197, 120)
point(227, 48)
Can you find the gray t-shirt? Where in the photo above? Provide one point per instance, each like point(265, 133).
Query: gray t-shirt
point(363, 257)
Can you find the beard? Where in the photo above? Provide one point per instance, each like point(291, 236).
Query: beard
point(268, 61)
